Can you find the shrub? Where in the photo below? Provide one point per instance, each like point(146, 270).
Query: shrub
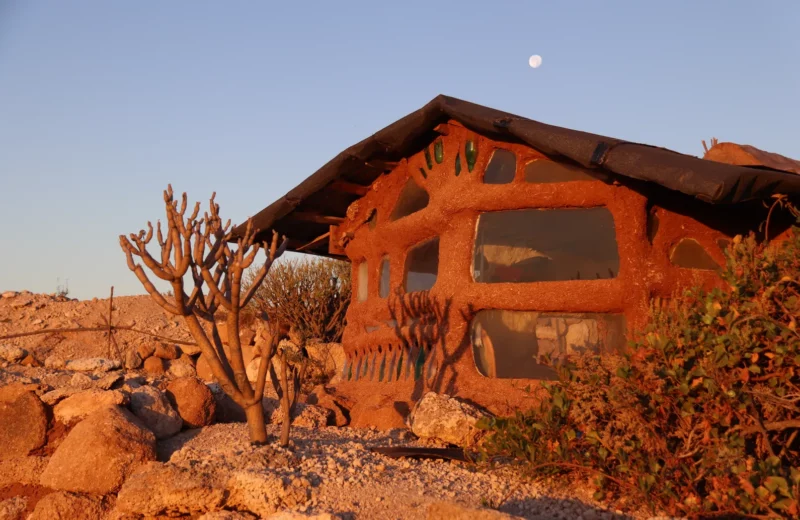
point(700, 416)
point(311, 295)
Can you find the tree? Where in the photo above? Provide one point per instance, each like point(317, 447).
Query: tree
point(204, 251)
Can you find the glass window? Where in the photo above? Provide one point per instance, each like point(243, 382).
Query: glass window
point(545, 245)
point(384, 285)
point(501, 168)
point(691, 255)
point(511, 344)
point(412, 199)
point(363, 274)
point(422, 266)
point(546, 171)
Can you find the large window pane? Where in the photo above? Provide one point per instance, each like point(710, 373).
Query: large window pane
point(412, 199)
point(545, 245)
point(422, 266)
point(362, 281)
point(691, 255)
point(511, 344)
point(384, 285)
point(546, 171)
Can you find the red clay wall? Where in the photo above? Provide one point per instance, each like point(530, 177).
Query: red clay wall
point(452, 213)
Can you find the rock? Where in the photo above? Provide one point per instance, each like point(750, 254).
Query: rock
point(100, 453)
point(30, 361)
point(23, 426)
point(227, 515)
point(264, 493)
point(108, 381)
point(13, 508)
point(20, 304)
point(81, 381)
point(329, 356)
point(10, 393)
point(288, 515)
point(306, 415)
point(190, 350)
point(52, 397)
point(155, 366)
point(92, 365)
point(54, 363)
point(203, 369)
point(446, 418)
point(379, 411)
point(193, 400)
point(12, 354)
point(80, 405)
point(252, 369)
point(9, 294)
point(453, 511)
point(154, 410)
point(246, 336)
point(145, 350)
point(133, 360)
point(321, 396)
point(167, 489)
point(62, 505)
point(166, 351)
point(177, 368)
point(22, 470)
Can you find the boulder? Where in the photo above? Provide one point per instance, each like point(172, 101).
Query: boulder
point(193, 400)
point(81, 381)
point(290, 515)
point(12, 354)
point(305, 415)
point(9, 294)
point(23, 426)
point(108, 381)
point(247, 336)
point(63, 505)
point(154, 410)
point(53, 397)
point(227, 515)
point(133, 360)
point(9, 393)
point(265, 493)
point(54, 363)
point(82, 404)
point(339, 406)
point(13, 508)
point(100, 453)
point(92, 365)
point(155, 366)
point(204, 370)
point(190, 350)
point(329, 356)
point(145, 350)
point(22, 470)
point(379, 411)
point(30, 361)
point(445, 418)
point(453, 511)
point(167, 489)
point(178, 368)
point(167, 351)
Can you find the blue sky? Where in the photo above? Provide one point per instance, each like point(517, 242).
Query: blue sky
point(103, 103)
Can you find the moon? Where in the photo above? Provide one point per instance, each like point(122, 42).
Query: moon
point(535, 61)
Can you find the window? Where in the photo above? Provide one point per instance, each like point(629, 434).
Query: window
point(383, 288)
point(501, 168)
point(546, 171)
point(691, 255)
point(422, 266)
point(363, 274)
point(545, 245)
point(412, 199)
point(511, 344)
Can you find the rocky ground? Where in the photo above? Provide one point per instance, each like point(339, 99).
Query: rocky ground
point(85, 437)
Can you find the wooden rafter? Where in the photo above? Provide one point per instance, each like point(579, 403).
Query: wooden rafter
point(306, 216)
point(349, 187)
point(314, 243)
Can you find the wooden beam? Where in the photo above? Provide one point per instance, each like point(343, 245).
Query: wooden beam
point(314, 243)
point(349, 187)
point(315, 217)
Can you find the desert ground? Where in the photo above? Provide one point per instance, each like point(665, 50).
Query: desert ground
point(134, 429)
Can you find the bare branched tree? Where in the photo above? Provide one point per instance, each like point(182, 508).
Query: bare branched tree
point(202, 250)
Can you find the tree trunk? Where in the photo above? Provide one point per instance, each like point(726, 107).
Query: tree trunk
point(256, 424)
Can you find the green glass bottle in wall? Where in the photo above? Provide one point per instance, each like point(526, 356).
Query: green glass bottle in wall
point(471, 154)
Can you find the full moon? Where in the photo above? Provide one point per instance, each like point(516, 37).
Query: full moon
point(535, 61)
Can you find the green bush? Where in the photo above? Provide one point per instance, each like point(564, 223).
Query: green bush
point(700, 416)
point(309, 295)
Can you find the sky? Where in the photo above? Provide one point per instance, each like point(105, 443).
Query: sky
point(104, 103)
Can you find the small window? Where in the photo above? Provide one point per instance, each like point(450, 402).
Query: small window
point(422, 266)
point(501, 168)
point(384, 285)
point(545, 245)
point(373, 219)
point(652, 224)
point(412, 199)
point(547, 171)
point(690, 254)
point(512, 344)
point(363, 274)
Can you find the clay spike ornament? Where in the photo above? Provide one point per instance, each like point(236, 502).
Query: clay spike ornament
point(471, 154)
point(458, 164)
point(428, 159)
point(438, 151)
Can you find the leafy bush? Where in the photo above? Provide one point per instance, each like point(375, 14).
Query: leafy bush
point(310, 295)
point(700, 416)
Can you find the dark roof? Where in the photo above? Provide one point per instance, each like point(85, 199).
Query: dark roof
point(345, 178)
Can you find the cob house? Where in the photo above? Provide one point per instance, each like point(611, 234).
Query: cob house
point(481, 242)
